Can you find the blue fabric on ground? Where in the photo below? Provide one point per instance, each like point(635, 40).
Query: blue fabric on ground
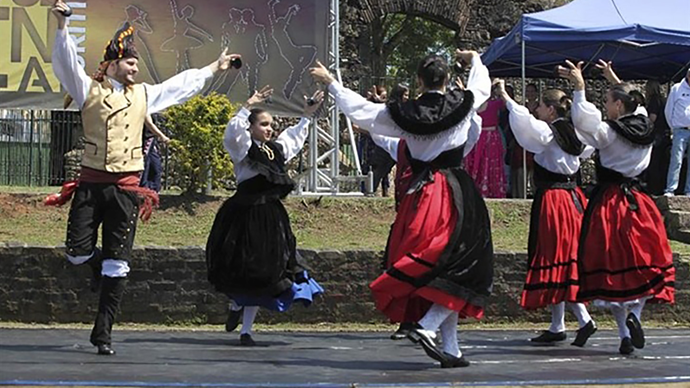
point(303, 291)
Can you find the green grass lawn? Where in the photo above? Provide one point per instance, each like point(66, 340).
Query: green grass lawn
point(326, 223)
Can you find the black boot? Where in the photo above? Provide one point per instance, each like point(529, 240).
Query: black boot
point(96, 265)
point(112, 290)
point(105, 350)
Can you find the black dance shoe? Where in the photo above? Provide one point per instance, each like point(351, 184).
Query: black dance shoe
point(584, 333)
point(636, 332)
point(454, 362)
point(233, 319)
point(402, 331)
point(105, 350)
point(626, 346)
point(418, 335)
point(547, 337)
point(246, 340)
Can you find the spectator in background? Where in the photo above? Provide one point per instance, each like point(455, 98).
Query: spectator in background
point(485, 162)
point(153, 168)
point(677, 113)
point(375, 158)
point(655, 176)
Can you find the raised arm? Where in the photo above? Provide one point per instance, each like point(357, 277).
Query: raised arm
point(586, 117)
point(185, 85)
point(588, 124)
point(473, 133)
point(609, 74)
point(369, 116)
point(65, 65)
point(532, 134)
point(292, 139)
point(478, 81)
point(237, 139)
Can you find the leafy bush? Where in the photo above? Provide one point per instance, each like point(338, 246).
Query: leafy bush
point(196, 129)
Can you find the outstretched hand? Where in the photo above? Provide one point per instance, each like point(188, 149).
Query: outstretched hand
point(224, 59)
point(259, 96)
point(465, 56)
point(373, 95)
point(607, 69)
point(499, 86)
point(573, 72)
point(321, 74)
point(59, 8)
point(313, 103)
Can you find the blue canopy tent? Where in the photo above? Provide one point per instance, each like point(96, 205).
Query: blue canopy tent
point(645, 39)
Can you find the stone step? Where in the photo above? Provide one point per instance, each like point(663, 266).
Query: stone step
point(675, 220)
point(677, 203)
point(680, 235)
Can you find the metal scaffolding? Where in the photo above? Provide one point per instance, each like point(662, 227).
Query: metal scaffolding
point(323, 174)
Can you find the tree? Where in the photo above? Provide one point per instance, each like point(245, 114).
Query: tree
point(399, 41)
point(197, 128)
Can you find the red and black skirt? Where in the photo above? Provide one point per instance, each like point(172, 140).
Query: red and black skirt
point(556, 218)
point(440, 248)
point(624, 253)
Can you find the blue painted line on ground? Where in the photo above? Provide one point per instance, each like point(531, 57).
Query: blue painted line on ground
point(641, 380)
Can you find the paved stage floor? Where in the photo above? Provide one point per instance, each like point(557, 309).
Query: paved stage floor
point(499, 358)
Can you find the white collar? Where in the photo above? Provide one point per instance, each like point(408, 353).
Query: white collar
point(116, 85)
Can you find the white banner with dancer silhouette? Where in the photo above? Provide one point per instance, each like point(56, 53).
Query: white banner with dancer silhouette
point(278, 39)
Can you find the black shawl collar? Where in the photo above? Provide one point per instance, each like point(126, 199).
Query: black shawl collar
point(564, 133)
point(636, 129)
point(432, 113)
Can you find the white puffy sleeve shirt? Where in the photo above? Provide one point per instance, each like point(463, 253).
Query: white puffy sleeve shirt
point(375, 118)
point(615, 152)
point(237, 141)
point(536, 136)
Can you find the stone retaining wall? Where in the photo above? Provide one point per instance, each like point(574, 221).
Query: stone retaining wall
point(169, 285)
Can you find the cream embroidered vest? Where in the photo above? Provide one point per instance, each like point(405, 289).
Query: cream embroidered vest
point(113, 125)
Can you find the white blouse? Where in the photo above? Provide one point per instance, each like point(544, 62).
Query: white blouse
point(536, 136)
point(390, 144)
point(614, 153)
point(72, 76)
point(238, 140)
point(375, 118)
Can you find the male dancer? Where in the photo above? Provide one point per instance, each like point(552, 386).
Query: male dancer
point(113, 109)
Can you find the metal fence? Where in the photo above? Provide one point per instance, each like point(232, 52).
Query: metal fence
point(32, 146)
point(37, 146)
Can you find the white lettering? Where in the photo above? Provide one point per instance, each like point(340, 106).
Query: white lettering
point(78, 33)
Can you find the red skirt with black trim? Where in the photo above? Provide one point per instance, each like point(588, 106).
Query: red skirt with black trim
point(552, 276)
point(624, 252)
point(422, 230)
